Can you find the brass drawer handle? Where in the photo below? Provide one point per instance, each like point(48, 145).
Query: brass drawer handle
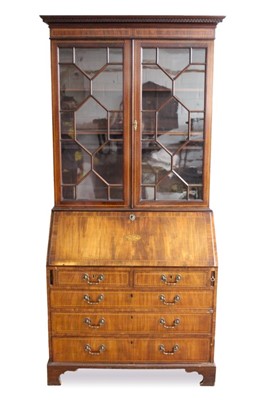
point(162, 299)
point(88, 322)
point(89, 280)
point(175, 323)
point(175, 348)
point(89, 301)
point(101, 349)
point(166, 282)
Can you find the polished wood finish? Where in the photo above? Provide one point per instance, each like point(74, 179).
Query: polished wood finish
point(152, 239)
point(132, 299)
point(90, 323)
point(133, 349)
point(132, 283)
point(56, 369)
point(91, 278)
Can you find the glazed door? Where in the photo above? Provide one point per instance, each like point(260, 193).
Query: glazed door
point(172, 127)
point(93, 101)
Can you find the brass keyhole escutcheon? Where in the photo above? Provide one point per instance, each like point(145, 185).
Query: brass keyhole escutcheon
point(132, 217)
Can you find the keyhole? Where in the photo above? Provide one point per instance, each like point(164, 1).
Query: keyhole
point(132, 217)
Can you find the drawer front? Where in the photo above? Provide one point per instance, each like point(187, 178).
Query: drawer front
point(133, 299)
point(101, 350)
point(91, 278)
point(99, 323)
point(173, 279)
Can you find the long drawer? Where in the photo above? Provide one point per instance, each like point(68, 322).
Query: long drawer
point(99, 323)
point(104, 350)
point(132, 299)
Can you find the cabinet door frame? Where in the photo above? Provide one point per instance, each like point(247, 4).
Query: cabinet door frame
point(137, 93)
point(92, 204)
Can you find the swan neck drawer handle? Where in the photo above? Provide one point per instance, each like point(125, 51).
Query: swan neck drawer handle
point(100, 350)
point(87, 298)
point(87, 278)
point(175, 348)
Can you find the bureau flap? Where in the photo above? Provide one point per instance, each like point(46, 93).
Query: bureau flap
point(137, 239)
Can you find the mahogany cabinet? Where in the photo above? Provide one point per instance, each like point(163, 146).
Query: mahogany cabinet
point(132, 263)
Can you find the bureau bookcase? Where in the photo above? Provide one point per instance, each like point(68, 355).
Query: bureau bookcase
point(132, 263)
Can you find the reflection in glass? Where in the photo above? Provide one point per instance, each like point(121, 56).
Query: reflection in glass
point(198, 56)
point(189, 88)
point(66, 55)
point(90, 60)
point(115, 55)
point(107, 87)
point(149, 56)
point(74, 87)
point(156, 162)
point(148, 193)
point(173, 61)
point(93, 188)
point(67, 125)
point(156, 88)
point(75, 162)
point(189, 163)
point(171, 188)
point(148, 124)
point(108, 162)
point(116, 193)
point(172, 124)
point(91, 125)
point(116, 124)
point(196, 125)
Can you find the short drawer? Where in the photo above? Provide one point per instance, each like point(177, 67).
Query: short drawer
point(101, 350)
point(93, 278)
point(138, 323)
point(173, 278)
point(133, 299)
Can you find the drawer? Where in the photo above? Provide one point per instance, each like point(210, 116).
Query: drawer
point(137, 323)
point(91, 278)
point(173, 278)
point(101, 350)
point(133, 299)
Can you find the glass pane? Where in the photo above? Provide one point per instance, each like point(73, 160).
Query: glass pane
point(155, 162)
point(76, 163)
point(92, 188)
point(189, 162)
point(196, 126)
point(195, 193)
point(116, 193)
point(108, 162)
point(67, 125)
point(148, 125)
point(108, 87)
point(148, 193)
point(171, 188)
point(173, 61)
point(189, 88)
point(90, 60)
point(199, 56)
point(65, 55)
point(74, 87)
point(149, 56)
point(172, 125)
point(156, 88)
point(116, 124)
point(91, 125)
point(115, 55)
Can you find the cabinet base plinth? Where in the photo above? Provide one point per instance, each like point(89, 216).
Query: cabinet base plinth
point(55, 369)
